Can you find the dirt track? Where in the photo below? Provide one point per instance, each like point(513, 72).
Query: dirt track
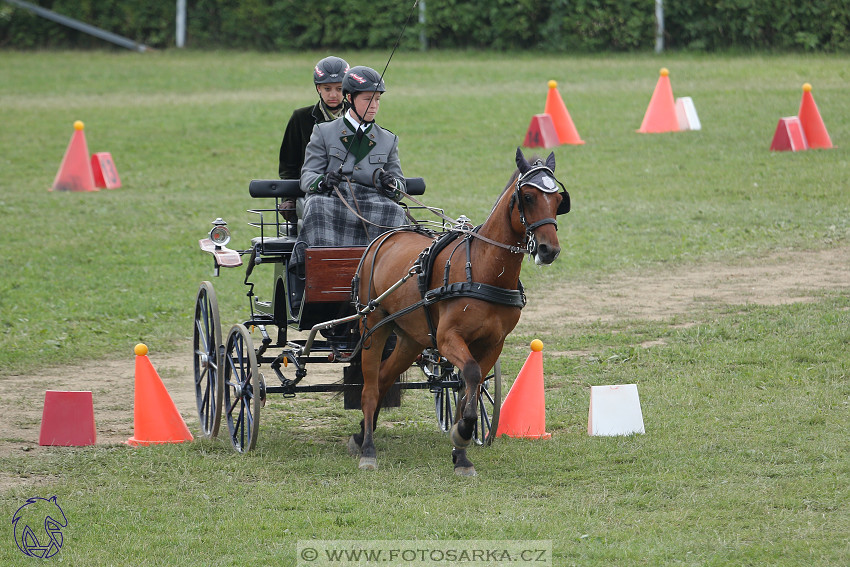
point(778, 279)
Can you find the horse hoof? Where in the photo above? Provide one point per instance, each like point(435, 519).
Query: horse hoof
point(456, 439)
point(368, 463)
point(465, 471)
point(353, 447)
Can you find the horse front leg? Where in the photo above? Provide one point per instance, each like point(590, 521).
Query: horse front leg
point(465, 421)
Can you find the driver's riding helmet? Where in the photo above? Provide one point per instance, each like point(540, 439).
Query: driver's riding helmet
point(330, 70)
point(362, 79)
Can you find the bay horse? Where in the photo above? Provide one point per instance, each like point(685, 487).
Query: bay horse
point(465, 308)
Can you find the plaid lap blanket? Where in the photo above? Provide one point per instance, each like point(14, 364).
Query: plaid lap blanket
point(328, 222)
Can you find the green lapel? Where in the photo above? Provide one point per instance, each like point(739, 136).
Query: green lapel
point(359, 147)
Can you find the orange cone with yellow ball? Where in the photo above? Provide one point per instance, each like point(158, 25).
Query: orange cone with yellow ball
point(75, 172)
point(523, 413)
point(555, 107)
point(813, 126)
point(155, 417)
point(661, 113)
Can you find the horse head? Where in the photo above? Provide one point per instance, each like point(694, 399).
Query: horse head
point(537, 203)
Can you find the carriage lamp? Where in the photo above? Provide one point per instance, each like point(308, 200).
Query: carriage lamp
point(220, 234)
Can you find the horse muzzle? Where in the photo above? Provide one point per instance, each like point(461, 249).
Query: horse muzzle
point(545, 254)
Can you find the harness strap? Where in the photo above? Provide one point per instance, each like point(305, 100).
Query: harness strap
point(485, 292)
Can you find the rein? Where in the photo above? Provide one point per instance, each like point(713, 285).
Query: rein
point(458, 227)
point(464, 229)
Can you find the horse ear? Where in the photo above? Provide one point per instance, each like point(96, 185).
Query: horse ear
point(550, 161)
point(521, 163)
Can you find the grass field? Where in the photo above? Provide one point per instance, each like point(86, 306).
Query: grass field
point(745, 460)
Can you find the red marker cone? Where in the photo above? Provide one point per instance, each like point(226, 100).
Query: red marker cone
point(789, 136)
point(813, 126)
point(541, 133)
point(67, 419)
point(523, 413)
point(661, 113)
point(555, 107)
point(75, 173)
point(155, 417)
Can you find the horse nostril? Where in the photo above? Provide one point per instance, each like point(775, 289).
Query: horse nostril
point(546, 254)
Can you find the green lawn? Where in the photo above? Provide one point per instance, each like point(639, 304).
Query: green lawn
point(745, 457)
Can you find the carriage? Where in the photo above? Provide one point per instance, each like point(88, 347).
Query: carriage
point(307, 321)
point(450, 296)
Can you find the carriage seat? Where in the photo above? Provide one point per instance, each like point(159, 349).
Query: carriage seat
point(291, 188)
point(273, 245)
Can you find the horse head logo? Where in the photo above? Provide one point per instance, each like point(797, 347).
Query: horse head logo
point(38, 527)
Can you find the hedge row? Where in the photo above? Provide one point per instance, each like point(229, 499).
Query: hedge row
point(571, 25)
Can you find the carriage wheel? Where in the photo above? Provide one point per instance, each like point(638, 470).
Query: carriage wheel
point(489, 405)
point(207, 344)
point(244, 389)
point(445, 402)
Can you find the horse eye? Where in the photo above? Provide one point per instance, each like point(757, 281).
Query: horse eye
point(528, 198)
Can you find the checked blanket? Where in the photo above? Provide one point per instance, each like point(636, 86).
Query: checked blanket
point(328, 222)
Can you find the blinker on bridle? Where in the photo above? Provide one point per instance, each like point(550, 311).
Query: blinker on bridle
point(543, 178)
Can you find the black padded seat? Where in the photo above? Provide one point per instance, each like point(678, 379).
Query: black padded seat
point(290, 188)
point(270, 245)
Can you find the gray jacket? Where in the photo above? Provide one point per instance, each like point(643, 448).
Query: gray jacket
point(335, 141)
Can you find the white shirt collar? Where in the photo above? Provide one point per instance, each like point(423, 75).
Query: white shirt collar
point(354, 121)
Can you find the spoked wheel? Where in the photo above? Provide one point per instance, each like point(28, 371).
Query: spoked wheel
point(439, 373)
point(489, 404)
point(207, 342)
point(445, 402)
point(244, 389)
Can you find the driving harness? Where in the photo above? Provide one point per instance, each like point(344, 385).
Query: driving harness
point(540, 174)
point(424, 268)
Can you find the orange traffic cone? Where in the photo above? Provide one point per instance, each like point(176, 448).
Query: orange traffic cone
point(813, 125)
point(75, 173)
point(661, 113)
point(555, 107)
point(523, 412)
point(155, 417)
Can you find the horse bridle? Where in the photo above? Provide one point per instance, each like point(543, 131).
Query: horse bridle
point(563, 208)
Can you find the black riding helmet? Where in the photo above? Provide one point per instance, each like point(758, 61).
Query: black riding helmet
point(330, 70)
point(362, 79)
